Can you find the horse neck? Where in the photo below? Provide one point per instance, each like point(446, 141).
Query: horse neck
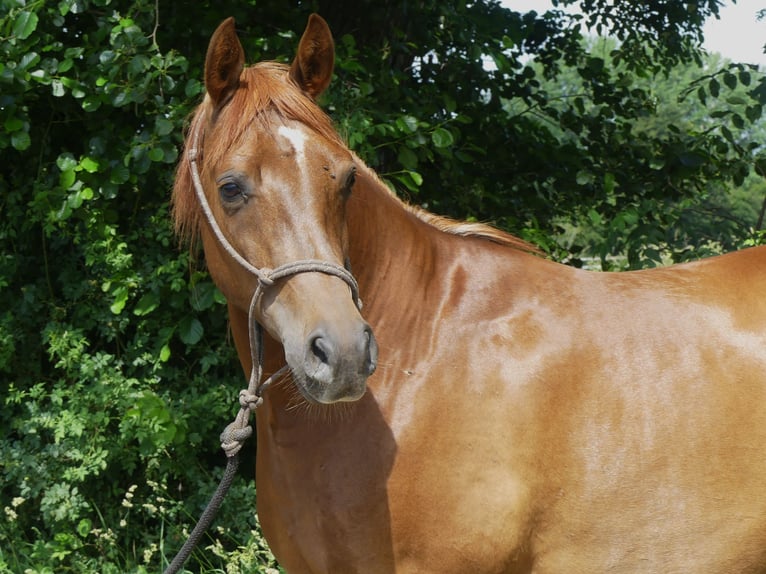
point(393, 253)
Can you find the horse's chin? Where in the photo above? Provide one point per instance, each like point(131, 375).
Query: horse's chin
point(319, 393)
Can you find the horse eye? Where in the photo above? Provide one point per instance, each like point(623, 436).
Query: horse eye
point(230, 191)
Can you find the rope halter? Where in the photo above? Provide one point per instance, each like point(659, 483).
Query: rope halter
point(237, 432)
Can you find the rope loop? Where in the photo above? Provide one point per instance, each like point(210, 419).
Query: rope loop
point(233, 438)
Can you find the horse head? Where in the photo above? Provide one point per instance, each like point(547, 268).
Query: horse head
point(273, 179)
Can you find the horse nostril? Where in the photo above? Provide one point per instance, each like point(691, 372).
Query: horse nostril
point(371, 346)
point(320, 349)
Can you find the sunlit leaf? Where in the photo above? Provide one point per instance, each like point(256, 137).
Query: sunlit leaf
point(25, 25)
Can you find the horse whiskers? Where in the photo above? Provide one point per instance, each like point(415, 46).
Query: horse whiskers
point(297, 403)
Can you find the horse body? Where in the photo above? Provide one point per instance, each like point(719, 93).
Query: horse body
point(582, 422)
point(524, 416)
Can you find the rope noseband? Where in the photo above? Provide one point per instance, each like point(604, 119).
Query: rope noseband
point(236, 433)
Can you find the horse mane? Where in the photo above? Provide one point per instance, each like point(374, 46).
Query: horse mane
point(454, 226)
point(267, 86)
point(472, 229)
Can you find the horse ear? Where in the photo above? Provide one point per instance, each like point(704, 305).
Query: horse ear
point(224, 63)
point(313, 65)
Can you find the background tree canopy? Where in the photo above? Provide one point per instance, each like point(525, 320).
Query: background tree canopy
point(606, 137)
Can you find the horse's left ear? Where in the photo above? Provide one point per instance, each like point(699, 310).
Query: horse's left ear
point(223, 63)
point(313, 65)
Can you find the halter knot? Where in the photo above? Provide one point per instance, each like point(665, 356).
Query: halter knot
point(249, 400)
point(264, 276)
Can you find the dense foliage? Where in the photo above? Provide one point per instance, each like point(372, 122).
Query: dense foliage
point(116, 373)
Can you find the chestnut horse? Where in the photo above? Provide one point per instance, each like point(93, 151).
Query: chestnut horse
point(487, 410)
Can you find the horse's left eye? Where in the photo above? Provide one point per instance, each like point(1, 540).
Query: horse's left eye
point(230, 191)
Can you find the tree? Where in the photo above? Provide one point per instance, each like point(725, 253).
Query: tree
point(714, 217)
point(448, 110)
point(116, 372)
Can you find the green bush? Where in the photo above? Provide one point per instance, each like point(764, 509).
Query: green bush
point(117, 374)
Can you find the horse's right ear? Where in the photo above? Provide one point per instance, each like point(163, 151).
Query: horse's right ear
point(224, 63)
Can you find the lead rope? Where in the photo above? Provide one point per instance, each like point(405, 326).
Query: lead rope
point(236, 433)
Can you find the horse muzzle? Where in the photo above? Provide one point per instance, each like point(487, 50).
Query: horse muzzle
point(335, 364)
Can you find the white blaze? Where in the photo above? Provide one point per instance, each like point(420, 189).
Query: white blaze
point(296, 138)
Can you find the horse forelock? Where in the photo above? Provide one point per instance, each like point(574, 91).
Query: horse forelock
point(263, 87)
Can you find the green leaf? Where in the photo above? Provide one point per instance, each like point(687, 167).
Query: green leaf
point(203, 295)
point(163, 126)
point(416, 177)
point(66, 162)
point(57, 87)
point(584, 177)
point(190, 330)
point(28, 60)
point(193, 88)
point(65, 65)
point(146, 304)
point(13, 124)
point(21, 141)
point(714, 87)
point(84, 527)
point(25, 24)
point(412, 180)
point(119, 174)
point(91, 103)
point(657, 162)
point(156, 154)
point(407, 158)
point(120, 298)
point(442, 138)
point(138, 64)
point(67, 178)
point(88, 164)
point(120, 99)
point(407, 124)
point(79, 194)
point(40, 76)
point(753, 113)
point(702, 95)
